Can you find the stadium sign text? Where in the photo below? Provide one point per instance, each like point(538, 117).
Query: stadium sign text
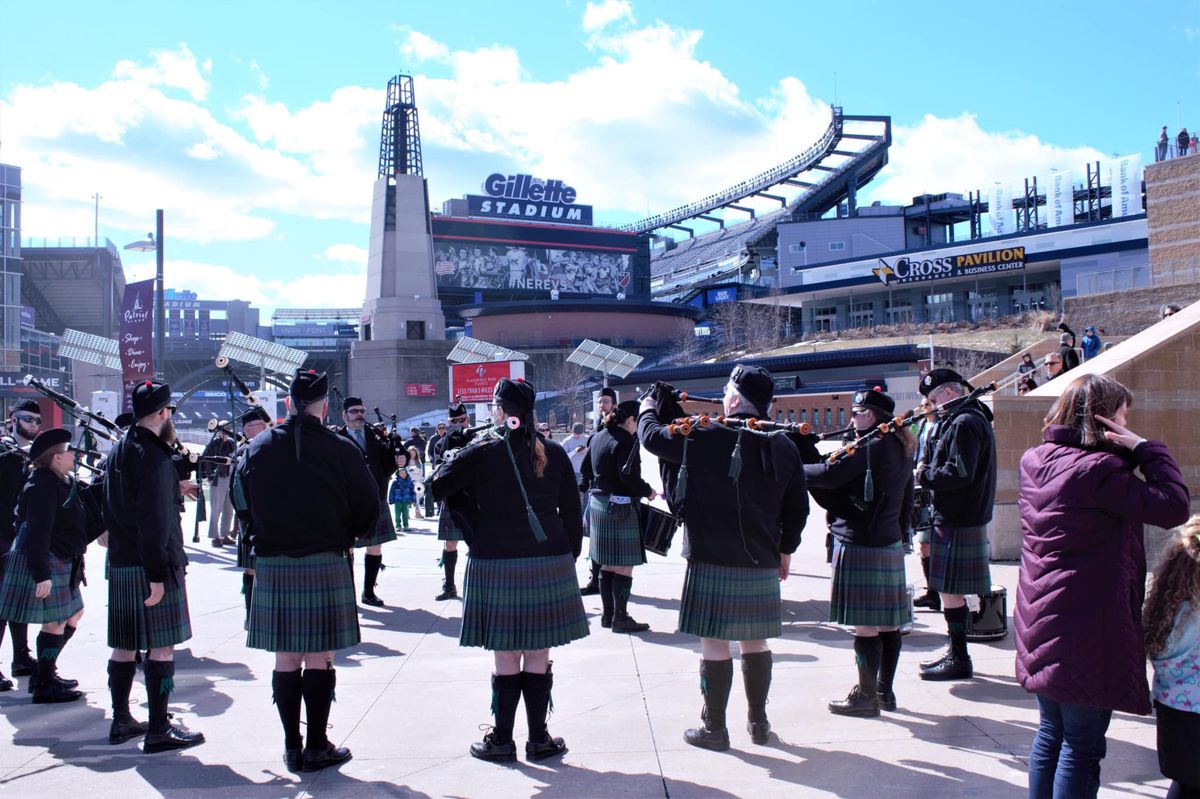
point(908, 269)
point(524, 197)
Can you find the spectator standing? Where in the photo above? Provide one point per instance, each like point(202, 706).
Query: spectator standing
point(1164, 140)
point(1054, 365)
point(1182, 141)
point(1091, 343)
point(1066, 351)
point(576, 447)
point(1168, 310)
point(414, 440)
point(1027, 365)
point(1195, 142)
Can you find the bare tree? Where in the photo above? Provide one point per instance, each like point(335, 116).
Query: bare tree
point(685, 346)
point(567, 379)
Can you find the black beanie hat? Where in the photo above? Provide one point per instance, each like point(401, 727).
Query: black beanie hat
point(150, 397)
point(940, 377)
point(755, 384)
point(516, 397)
point(351, 402)
point(875, 399)
point(308, 386)
point(27, 406)
point(47, 439)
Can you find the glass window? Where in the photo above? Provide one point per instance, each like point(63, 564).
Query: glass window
point(837, 245)
point(416, 330)
point(829, 417)
point(841, 417)
point(862, 314)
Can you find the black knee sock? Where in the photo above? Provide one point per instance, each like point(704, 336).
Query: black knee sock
point(160, 682)
point(925, 571)
point(606, 592)
point(371, 564)
point(622, 587)
point(20, 638)
point(595, 571)
point(48, 646)
point(120, 683)
point(716, 679)
point(956, 625)
point(68, 633)
point(756, 678)
point(288, 693)
point(890, 643)
point(317, 686)
point(535, 688)
point(506, 695)
point(449, 564)
point(867, 652)
point(247, 591)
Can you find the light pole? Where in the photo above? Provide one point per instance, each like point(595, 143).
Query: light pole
point(154, 241)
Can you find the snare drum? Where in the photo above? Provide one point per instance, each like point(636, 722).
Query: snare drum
point(990, 622)
point(658, 530)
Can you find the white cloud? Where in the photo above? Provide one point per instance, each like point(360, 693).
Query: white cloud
point(263, 81)
point(345, 253)
point(203, 151)
point(175, 69)
point(598, 16)
point(420, 47)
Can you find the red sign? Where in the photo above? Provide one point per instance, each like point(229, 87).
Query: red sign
point(474, 382)
point(420, 390)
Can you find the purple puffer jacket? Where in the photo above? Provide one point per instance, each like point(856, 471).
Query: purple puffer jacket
point(1078, 614)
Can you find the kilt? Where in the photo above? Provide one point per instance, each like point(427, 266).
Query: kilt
point(17, 602)
point(1178, 744)
point(384, 531)
point(869, 586)
point(245, 554)
point(303, 604)
point(513, 604)
point(132, 625)
point(730, 603)
point(447, 529)
point(616, 533)
point(958, 560)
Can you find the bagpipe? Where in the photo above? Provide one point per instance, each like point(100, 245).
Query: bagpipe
point(222, 363)
point(92, 423)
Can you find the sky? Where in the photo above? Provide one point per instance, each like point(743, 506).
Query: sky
point(256, 126)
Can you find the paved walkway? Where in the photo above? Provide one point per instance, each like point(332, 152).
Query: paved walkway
point(409, 702)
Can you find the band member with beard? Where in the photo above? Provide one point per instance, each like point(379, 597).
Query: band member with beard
point(378, 454)
point(517, 501)
point(147, 595)
point(744, 503)
point(26, 420)
point(254, 421)
point(606, 403)
point(448, 531)
point(961, 473)
point(310, 496)
point(873, 487)
point(613, 522)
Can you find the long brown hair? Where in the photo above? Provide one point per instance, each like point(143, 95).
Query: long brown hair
point(901, 432)
point(1176, 580)
point(1087, 397)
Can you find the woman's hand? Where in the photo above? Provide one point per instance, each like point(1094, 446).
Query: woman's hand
point(1120, 435)
point(42, 589)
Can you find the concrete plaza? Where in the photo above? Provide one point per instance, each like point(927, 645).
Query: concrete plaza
point(410, 701)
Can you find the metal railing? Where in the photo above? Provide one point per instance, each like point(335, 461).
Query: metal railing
point(1165, 151)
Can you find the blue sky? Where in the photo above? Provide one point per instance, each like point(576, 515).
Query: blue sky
point(256, 125)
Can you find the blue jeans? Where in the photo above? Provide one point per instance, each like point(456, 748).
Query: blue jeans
point(1064, 762)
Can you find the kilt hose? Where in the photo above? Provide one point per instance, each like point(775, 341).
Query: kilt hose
point(303, 604)
point(958, 560)
point(17, 602)
point(134, 627)
point(869, 586)
point(730, 603)
point(616, 533)
point(384, 529)
point(514, 604)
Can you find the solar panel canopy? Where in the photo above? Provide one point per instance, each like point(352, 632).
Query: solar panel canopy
point(603, 358)
point(97, 350)
point(262, 353)
point(472, 350)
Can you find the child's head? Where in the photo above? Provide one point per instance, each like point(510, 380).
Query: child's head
point(401, 460)
point(1176, 580)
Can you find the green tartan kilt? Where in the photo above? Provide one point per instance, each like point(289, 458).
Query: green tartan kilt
point(616, 532)
point(516, 604)
point(303, 604)
point(869, 587)
point(958, 560)
point(131, 625)
point(730, 603)
point(447, 529)
point(384, 529)
point(17, 602)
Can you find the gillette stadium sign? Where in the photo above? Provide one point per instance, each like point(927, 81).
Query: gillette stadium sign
point(915, 269)
point(529, 199)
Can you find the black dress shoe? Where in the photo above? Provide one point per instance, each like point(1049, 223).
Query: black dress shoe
point(330, 755)
point(887, 701)
point(495, 750)
point(930, 599)
point(856, 704)
point(63, 681)
point(542, 750)
point(122, 731)
point(953, 668)
point(217, 543)
point(715, 740)
point(372, 600)
point(23, 665)
point(449, 591)
point(760, 731)
point(605, 621)
point(293, 759)
point(5, 684)
point(51, 693)
point(591, 589)
point(627, 624)
point(173, 738)
point(939, 660)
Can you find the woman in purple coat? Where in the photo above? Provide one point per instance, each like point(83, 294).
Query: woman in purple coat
point(1078, 614)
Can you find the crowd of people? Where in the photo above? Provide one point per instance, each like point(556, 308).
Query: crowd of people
point(1183, 141)
point(521, 505)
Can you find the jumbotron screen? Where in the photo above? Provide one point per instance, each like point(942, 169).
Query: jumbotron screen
point(527, 261)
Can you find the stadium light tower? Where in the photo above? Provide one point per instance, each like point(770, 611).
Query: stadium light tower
point(154, 241)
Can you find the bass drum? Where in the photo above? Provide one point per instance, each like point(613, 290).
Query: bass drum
point(990, 622)
point(658, 530)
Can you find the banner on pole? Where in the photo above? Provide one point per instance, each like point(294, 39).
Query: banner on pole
point(1060, 199)
point(137, 336)
point(1126, 181)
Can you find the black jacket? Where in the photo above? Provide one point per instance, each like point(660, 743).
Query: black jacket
point(142, 505)
point(49, 520)
point(961, 469)
point(839, 488)
point(218, 447)
point(616, 464)
point(431, 450)
point(481, 489)
point(14, 471)
point(379, 457)
point(321, 503)
point(747, 523)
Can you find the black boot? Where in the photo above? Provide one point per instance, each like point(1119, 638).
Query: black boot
point(449, 563)
point(716, 678)
point(247, 596)
point(288, 694)
point(161, 735)
point(23, 663)
point(371, 566)
point(622, 621)
point(756, 678)
point(536, 690)
point(606, 599)
point(956, 663)
point(317, 686)
point(67, 634)
point(889, 644)
point(930, 599)
point(498, 744)
point(46, 690)
point(863, 700)
point(120, 683)
point(593, 586)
